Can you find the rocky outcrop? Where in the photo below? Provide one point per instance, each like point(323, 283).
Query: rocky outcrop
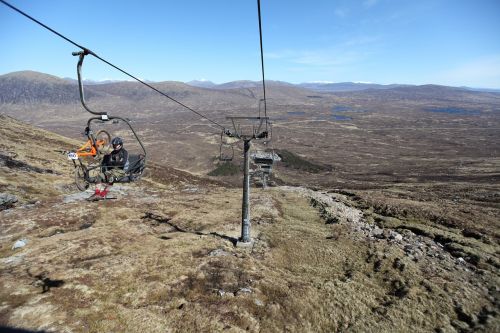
point(7, 201)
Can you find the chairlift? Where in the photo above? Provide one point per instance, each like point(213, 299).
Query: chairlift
point(264, 167)
point(86, 174)
point(269, 138)
point(264, 160)
point(265, 157)
point(226, 152)
point(262, 157)
point(226, 149)
point(263, 173)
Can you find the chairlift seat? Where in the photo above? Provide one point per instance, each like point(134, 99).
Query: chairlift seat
point(266, 169)
point(263, 160)
point(137, 164)
point(263, 157)
point(226, 152)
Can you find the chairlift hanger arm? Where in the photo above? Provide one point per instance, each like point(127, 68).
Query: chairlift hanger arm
point(227, 132)
point(82, 55)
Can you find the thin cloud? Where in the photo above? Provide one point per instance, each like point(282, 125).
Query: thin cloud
point(362, 40)
point(349, 51)
point(321, 58)
point(369, 3)
point(318, 58)
point(483, 72)
point(341, 12)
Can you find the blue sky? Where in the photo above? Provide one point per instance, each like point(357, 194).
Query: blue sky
point(450, 42)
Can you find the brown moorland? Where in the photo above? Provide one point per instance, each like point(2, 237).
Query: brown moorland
point(385, 218)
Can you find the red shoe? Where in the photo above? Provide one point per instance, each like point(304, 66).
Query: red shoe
point(103, 193)
point(95, 197)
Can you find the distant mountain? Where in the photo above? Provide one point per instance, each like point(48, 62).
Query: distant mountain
point(33, 88)
point(428, 92)
point(245, 84)
point(347, 86)
point(135, 90)
point(33, 76)
point(358, 86)
point(91, 82)
point(29, 87)
point(315, 86)
point(201, 84)
point(238, 84)
point(482, 89)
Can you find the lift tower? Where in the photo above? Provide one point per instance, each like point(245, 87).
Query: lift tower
point(254, 129)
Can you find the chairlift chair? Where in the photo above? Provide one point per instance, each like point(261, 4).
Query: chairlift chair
point(266, 156)
point(88, 174)
point(262, 158)
point(226, 149)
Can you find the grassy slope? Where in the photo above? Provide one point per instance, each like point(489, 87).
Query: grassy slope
point(146, 262)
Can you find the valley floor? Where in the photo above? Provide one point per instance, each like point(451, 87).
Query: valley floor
point(161, 257)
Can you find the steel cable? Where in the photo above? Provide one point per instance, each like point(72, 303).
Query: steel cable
point(110, 64)
point(262, 65)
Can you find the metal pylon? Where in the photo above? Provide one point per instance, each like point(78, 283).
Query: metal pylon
point(256, 133)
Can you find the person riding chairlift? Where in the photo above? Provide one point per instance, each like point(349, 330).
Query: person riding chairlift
point(114, 166)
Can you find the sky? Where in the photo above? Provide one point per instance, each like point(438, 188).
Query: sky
point(448, 42)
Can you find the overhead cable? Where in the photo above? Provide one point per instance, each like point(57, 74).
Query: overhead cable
point(262, 64)
point(110, 64)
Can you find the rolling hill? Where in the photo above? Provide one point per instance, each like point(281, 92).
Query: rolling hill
point(386, 214)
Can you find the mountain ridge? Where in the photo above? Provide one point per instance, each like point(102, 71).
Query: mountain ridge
point(241, 84)
point(30, 87)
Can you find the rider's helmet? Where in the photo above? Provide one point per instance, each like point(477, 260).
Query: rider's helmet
point(117, 143)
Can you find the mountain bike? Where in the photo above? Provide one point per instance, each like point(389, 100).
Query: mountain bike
point(92, 153)
point(95, 146)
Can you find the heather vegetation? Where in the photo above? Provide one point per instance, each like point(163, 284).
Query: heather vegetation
point(384, 222)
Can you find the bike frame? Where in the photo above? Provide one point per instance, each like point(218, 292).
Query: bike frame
point(90, 147)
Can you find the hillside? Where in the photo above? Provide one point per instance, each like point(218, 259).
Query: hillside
point(426, 92)
point(30, 87)
point(319, 86)
point(161, 257)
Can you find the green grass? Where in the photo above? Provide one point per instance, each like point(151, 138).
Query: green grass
point(291, 160)
point(225, 169)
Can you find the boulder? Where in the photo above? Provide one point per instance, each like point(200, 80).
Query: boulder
point(7, 201)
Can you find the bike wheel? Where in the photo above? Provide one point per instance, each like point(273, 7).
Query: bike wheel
point(80, 178)
point(104, 137)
